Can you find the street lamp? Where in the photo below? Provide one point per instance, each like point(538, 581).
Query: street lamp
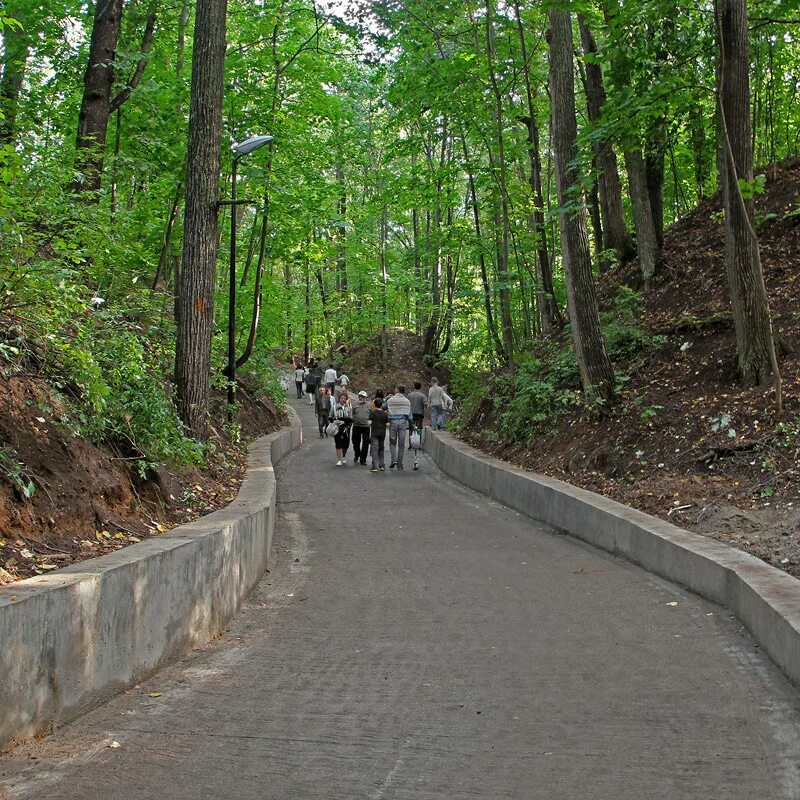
point(242, 149)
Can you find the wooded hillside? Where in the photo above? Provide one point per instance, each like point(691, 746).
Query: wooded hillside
point(528, 188)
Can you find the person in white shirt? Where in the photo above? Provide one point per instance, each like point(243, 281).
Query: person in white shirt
point(330, 377)
point(298, 380)
point(438, 401)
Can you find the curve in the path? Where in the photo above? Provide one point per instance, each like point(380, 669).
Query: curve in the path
point(414, 640)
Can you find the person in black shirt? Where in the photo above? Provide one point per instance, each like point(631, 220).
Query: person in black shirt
point(323, 408)
point(378, 421)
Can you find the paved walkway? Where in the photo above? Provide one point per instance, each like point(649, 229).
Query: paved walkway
point(414, 641)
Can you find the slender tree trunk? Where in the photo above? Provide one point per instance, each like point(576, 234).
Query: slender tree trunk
point(698, 140)
point(433, 328)
point(646, 235)
point(506, 322)
point(115, 165)
point(167, 241)
point(196, 307)
point(323, 294)
point(550, 314)
point(655, 153)
point(751, 315)
point(341, 238)
point(597, 224)
point(494, 338)
point(251, 249)
point(383, 234)
point(15, 61)
point(615, 231)
point(307, 318)
point(597, 374)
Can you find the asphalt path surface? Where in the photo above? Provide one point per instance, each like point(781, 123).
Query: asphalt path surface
point(414, 640)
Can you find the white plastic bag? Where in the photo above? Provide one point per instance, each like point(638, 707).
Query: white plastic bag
point(414, 440)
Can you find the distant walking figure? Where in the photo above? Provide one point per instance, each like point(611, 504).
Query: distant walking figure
point(311, 383)
point(317, 375)
point(298, 380)
point(437, 398)
point(330, 377)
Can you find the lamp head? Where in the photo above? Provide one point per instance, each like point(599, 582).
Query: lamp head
point(248, 145)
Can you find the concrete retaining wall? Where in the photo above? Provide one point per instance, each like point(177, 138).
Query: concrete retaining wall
point(765, 599)
point(73, 638)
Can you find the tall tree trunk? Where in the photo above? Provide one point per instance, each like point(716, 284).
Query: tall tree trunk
point(615, 231)
point(196, 307)
point(307, 317)
point(383, 224)
point(550, 314)
point(433, 328)
point(506, 323)
point(15, 60)
point(96, 104)
point(751, 316)
point(597, 374)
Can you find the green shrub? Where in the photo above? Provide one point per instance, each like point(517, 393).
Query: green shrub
point(121, 398)
point(625, 339)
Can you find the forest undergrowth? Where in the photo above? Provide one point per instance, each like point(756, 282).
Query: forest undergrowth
point(684, 440)
point(93, 456)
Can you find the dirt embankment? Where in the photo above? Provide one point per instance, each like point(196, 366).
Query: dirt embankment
point(686, 442)
point(64, 499)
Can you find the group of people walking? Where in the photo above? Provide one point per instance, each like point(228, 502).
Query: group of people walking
point(312, 377)
point(364, 423)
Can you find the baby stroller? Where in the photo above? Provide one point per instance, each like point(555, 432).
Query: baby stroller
point(414, 443)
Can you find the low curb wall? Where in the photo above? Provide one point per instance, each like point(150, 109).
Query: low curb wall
point(75, 637)
point(765, 599)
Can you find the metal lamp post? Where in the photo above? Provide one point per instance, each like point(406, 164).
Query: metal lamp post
point(242, 149)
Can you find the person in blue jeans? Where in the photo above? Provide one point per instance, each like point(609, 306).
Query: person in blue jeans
point(400, 420)
point(436, 404)
point(378, 422)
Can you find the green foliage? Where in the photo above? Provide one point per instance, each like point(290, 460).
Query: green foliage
point(529, 396)
point(625, 339)
point(650, 413)
point(14, 471)
point(122, 399)
point(749, 189)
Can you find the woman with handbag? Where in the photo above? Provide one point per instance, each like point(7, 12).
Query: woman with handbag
point(343, 419)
